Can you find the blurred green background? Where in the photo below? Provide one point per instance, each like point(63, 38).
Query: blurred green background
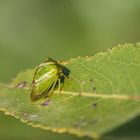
point(31, 30)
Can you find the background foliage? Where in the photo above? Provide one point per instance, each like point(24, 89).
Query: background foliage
point(31, 30)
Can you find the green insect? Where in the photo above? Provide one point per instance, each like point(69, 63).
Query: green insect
point(47, 76)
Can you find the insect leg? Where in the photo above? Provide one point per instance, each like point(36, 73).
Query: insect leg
point(59, 86)
point(65, 76)
point(53, 86)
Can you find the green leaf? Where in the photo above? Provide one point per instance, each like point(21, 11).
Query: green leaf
point(102, 93)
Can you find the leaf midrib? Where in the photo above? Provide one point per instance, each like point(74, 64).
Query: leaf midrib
point(96, 95)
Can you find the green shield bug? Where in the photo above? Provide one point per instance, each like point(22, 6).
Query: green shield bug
point(47, 76)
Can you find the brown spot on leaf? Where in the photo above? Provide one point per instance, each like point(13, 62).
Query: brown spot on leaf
point(46, 103)
point(91, 80)
point(94, 105)
point(21, 85)
point(94, 88)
